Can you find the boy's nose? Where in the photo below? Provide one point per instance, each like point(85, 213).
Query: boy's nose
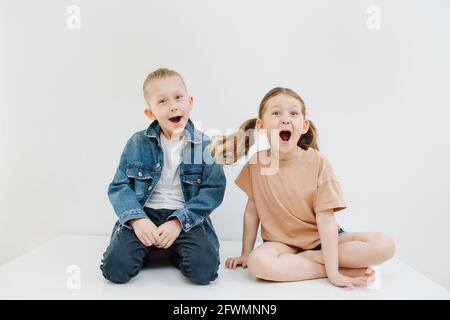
point(173, 107)
point(285, 121)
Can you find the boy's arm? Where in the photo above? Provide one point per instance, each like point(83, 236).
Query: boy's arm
point(122, 196)
point(209, 197)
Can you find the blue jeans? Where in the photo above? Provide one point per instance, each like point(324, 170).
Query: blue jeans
point(192, 252)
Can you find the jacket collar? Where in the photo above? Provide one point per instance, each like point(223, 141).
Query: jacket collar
point(191, 134)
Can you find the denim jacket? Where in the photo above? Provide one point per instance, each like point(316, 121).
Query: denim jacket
point(202, 179)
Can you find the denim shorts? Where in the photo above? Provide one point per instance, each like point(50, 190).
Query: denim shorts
point(319, 246)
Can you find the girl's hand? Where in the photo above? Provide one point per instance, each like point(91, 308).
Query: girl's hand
point(234, 262)
point(339, 280)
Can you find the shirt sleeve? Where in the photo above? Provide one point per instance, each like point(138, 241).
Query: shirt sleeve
point(329, 193)
point(244, 181)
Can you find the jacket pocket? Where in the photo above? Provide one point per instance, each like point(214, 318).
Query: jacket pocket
point(191, 184)
point(140, 177)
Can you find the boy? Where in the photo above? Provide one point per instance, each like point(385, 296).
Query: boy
point(164, 189)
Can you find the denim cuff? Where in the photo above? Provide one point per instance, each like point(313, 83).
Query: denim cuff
point(183, 215)
point(129, 215)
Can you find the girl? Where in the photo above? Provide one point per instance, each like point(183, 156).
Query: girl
point(295, 203)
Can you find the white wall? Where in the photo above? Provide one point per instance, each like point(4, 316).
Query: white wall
point(380, 98)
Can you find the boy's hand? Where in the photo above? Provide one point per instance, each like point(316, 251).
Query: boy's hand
point(234, 262)
point(146, 231)
point(168, 232)
point(339, 280)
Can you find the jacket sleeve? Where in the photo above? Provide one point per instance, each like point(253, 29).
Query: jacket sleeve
point(122, 195)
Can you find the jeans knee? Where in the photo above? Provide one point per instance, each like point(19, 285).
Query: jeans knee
point(117, 269)
point(201, 267)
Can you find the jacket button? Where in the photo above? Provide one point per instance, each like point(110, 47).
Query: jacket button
point(149, 188)
point(158, 165)
point(140, 174)
point(199, 180)
point(188, 225)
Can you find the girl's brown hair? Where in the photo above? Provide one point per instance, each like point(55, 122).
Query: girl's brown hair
point(243, 139)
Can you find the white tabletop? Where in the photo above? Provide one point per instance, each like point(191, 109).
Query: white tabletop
point(67, 267)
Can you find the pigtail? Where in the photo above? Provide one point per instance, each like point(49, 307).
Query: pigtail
point(309, 139)
point(229, 149)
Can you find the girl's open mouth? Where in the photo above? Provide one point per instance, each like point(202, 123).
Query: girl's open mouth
point(175, 119)
point(285, 135)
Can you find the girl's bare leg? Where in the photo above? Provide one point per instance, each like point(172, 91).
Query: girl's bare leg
point(278, 262)
point(359, 250)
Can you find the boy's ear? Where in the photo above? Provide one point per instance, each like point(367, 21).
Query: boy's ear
point(149, 113)
point(191, 101)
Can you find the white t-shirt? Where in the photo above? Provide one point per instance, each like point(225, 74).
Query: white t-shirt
point(168, 193)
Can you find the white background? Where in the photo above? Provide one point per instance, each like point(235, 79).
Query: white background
point(380, 98)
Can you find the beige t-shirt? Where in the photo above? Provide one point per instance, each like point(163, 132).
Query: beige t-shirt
point(286, 202)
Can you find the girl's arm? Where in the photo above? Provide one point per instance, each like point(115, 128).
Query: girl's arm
point(251, 224)
point(250, 231)
point(328, 231)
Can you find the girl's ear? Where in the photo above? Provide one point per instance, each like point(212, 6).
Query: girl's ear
point(259, 125)
point(149, 113)
point(305, 126)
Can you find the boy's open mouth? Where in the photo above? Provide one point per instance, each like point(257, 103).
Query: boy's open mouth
point(175, 119)
point(285, 135)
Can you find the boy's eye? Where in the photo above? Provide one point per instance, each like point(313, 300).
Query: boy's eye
point(294, 113)
point(162, 101)
point(275, 113)
point(178, 97)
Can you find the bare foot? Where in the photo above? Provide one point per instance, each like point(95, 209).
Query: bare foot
point(357, 272)
point(368, 273)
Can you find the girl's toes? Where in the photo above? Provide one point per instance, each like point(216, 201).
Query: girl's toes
point(361, 281)
point(374, 278)
point(369, 272)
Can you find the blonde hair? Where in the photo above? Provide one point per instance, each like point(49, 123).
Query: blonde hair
point(160, 73)
point(242, 140)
